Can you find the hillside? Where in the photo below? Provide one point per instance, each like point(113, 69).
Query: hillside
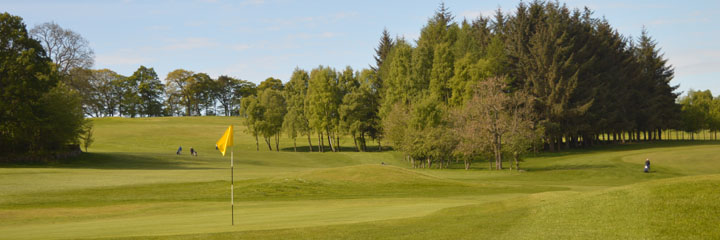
point(133, 185)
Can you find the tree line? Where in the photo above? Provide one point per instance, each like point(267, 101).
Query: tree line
point(545, 77)
point(106, 93)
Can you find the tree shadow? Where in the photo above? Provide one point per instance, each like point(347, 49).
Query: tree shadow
point(630, 146)
point(342, 149)
point(138, 161)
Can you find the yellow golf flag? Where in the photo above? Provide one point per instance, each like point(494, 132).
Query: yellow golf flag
point(226, 140)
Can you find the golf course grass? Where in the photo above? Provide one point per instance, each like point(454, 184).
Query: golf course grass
point(132, 185)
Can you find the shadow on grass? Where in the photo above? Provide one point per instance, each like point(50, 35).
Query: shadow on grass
point(342, 149)
point(631, 146)
point(139, 161)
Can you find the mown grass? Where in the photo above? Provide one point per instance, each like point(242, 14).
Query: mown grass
point(133, 185)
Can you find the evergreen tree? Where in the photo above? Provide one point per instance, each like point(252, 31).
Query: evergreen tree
point(442, 71)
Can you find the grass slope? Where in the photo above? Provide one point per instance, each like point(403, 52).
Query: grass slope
point(132, 185)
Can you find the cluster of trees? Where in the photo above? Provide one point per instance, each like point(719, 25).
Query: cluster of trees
point(325, 102)
point(700, 111)
point(39, 113)
point(582, 78)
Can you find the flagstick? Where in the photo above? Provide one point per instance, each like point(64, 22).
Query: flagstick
point(232, 187)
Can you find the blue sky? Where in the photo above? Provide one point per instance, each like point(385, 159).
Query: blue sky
point(256, 39)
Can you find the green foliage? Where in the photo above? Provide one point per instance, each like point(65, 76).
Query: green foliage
point(442, 72)
point(270, 83)
point(696, 111)
point(142, 94)
point(61, 119)
point(322, 102)
point(382, 51)
point(252, 113)
point(87, 135)
point(359, 110)
point(105, 92)
point(398, 85)
point(275, 108)
point(295, 92)
point(36, 113)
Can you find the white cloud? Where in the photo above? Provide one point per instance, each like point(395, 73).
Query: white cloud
point(240, 47)
point(695, 62)
point(158, 28)
point(190, 43)
point(410, 37)
point(474, 14)
point(306, 36)
point(119, 59)
point(284, 23)
point(686, 21)
point(252, 2)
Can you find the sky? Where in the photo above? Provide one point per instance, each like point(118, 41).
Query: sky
point(257, 39)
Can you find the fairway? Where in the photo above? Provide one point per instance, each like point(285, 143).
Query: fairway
point(132, 185)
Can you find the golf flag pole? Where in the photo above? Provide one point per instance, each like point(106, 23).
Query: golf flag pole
point(232, 188)
point(227, 141)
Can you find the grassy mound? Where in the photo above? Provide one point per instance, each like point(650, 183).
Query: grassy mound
point(680, 208)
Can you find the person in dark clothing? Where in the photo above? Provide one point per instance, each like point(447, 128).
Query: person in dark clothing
point(179, 150)
point(192, 151)
point(647, 165)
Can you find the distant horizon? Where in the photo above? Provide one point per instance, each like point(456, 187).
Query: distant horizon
point(257, 39)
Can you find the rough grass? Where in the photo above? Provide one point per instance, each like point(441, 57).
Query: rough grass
point(132, 185)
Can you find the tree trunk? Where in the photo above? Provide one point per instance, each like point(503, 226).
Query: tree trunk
point(363, 144)
point(257, 144)
point(357, 148)
point(498, 153)
point(277, 142)
point(267, 140)
point(337, 143)
point(329, 138)
point(379, 145)
point(295, 144)
point(321, 146)
point(551, 145)
point(310, 142)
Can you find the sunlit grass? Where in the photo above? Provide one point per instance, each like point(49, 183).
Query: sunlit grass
point(132, 184)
